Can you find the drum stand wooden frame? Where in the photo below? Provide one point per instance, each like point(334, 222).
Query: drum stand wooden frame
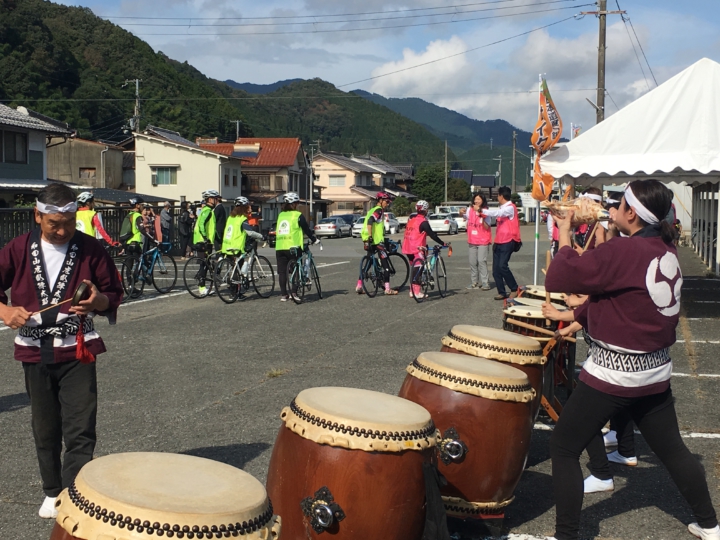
point(549, 401)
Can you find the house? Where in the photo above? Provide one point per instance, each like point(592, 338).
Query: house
point(170, 166)
point(85, 162)
point(24, 138)
point(408, 175)
point(483, 183)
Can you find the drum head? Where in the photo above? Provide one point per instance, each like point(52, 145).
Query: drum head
point(535, 302)
point(80, 293)
point(529, 312)
point(538, 291)
point(360, 419)
point(471, 375)
point(494, 344)
point(151, 492)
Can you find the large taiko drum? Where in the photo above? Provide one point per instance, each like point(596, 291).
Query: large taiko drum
point(535, 302)
point(532, 316)
point(484, 411)
point(524, 353)
point(146, 495)
point(539, 292)
point(349, 463)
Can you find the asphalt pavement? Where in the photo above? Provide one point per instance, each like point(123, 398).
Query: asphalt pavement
point(209, 379)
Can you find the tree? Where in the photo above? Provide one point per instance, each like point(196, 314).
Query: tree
point(402, 206)
point(458, 190)
point(430, 184)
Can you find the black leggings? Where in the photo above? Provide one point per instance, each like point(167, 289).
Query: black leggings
point(583, 417)
point(283, 258)
point(623, 425)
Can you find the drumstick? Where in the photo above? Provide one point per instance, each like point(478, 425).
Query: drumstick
point(537, 329)
point(54, 306)
point(548, 260)
point(589, 238)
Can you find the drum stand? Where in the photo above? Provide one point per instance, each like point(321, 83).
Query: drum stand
point(557, 351)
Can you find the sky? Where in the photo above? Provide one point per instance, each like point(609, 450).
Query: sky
point(357, 43)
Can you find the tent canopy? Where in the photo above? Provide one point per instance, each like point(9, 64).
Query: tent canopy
point(673, 130)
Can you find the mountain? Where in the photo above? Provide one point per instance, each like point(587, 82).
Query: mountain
point(251, 88)
point(461, 132)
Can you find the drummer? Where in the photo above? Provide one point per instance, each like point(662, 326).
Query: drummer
point(44, 267)
point(629, 365)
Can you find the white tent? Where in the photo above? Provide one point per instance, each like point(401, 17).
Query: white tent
point(672, 134)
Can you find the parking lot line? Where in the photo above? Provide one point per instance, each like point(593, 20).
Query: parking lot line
point(330, 264)
point(539, 426)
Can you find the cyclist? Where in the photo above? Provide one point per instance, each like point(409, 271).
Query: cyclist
point(204, 233)
point(290, 228)
point(89, 221)
point(373, 234)
point(416, 233)
point(238, 230)
point(133, 231)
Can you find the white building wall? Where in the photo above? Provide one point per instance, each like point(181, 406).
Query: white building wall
point(36, 142)
point(683, 203)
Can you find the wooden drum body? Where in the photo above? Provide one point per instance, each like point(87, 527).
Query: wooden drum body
point(539, 292)
point(354, 459)
point(532, 316)
point(484, 408)
point(146, 495)
point(523, 353)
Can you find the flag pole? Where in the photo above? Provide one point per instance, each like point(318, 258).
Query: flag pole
point(537, 208)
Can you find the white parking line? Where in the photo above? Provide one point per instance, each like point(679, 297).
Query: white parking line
point(330, 264)
point(158, 297)
point(699, 341)
point(701, 375)
point(685, 434)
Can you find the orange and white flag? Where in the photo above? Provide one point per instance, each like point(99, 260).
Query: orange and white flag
point(546, 134)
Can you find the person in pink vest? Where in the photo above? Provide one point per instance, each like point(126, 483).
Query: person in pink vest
point(507, 238)
point(416, 233)
point(479, 236)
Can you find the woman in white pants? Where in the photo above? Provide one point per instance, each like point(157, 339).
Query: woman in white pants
point(479, 243)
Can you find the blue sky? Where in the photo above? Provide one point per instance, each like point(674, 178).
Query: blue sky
point(484, 84)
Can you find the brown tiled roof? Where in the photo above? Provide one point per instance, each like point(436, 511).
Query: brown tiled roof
point(273, 152)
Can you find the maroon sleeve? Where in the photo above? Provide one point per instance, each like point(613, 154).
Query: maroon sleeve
point(105, 276)
point(595, 272)
point(580, 314)
point(7, 269)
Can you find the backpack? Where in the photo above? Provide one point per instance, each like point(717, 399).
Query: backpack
point(126, 229)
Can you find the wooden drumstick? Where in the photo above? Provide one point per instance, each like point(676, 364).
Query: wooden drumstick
point(548, 260)
point(537, 329)
point(590, 237)
point(54, 306)
point(77, 297)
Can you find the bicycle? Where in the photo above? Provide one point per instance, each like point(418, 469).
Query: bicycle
point(423, 279)
point(231, 283)
point(301, 275)
point(123, 268)
point(371, 270)
point(198, 271)
point(155, 266)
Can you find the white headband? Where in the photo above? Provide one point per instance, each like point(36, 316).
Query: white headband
point(596, 198)
point(611, 201)
point(643, 213)
point(52, 209)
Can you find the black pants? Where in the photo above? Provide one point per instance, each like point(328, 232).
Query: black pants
point(583, 417)
point(623, 425)
point(383, 256)
point(184, 241)
point(501, 267)
point(283, 257)
point(63, 402)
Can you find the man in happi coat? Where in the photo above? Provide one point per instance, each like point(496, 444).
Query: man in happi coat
point(58, 346)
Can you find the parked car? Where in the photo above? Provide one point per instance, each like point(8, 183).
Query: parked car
point(333, 226)
point(461, 221)
point(357, 226)
point(443, 223)
point(347, 218)
point(392, 225)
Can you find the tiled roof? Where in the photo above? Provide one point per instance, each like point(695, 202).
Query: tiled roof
point(406, 168)
point(346, 162)
point(120, 196)
point(128, 160)
point(25, 118)
point(280, 152)
point(371, 191)
point(173, 136)
point(462, 175)
point(378, 164)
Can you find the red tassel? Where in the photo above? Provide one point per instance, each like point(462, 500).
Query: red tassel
point(81, 351)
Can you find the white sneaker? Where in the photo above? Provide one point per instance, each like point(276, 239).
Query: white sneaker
point(704, 534)
point(48, 510)
point(615, 457)
point(595, 485)
point(610, 438)
point(202, 291)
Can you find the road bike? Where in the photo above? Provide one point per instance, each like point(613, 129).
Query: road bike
point(302, 273)
point(123, 268)
point(429, 273)
point(231, 283)
point(155, 266)
point(199, 271)
point(371, 270)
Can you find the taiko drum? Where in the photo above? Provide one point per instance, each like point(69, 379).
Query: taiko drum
point(531, 315)
point(348, 465)
point(484, 411)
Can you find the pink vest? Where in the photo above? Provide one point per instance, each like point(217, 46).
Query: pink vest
point(508, 229)
point(413, 238)
point(556, 232)
point(477, 233)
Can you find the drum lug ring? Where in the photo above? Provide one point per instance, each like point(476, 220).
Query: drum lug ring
point(451, 448)
point(322, 510)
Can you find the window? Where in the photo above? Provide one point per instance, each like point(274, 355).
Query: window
point(337, 180)
point(259, 183)
point(164, 176)
point(227, 177)
point(87, 173)
point(235, 177)
point(15, 146)
point(345, 206)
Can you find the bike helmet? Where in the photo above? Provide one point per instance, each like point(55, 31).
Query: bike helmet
point(422, 205)
point(383, 196)
point(291, 198)
point(136, 200)
point(85, 197)
point(210, 193)
point(239, 201)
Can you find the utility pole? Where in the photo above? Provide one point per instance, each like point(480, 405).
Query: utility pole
point(491, 140)
point(135, 120)
point(312, 175)
point(514, 183)
point(499, 173)
point(446, 174)
point(237, 128)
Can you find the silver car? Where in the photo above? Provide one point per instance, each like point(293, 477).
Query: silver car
point(332, 226)
point(443, 223)
point(357, 226)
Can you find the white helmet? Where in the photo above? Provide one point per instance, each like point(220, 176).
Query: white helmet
point(85, 196)
point(422, 205)
point(239, 201)
point(291, 197)
point(210, 193)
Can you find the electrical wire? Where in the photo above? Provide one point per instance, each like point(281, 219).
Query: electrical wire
point(643, 52)
point(611, 99)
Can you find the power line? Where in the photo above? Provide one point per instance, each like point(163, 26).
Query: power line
point(611, 99)
point(633, 45)
point(461, 53)
point(190, 24)
point(643, 52)
point(390, 27)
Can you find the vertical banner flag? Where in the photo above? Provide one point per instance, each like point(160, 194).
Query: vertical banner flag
point(546, 134)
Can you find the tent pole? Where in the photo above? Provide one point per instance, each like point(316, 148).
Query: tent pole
point(717, 246)
point(537, 242)
point(694, 222)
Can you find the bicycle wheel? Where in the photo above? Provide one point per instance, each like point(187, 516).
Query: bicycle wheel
point(296, 288)
point(441, 277)
point(370, 280)
point(262, 276)
point(164, 273)
point(227, 281)
point(399, 270)
point(135, 281)
point(196, 279)
point(316, 279)
point(420, 283)
point(126, 278)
